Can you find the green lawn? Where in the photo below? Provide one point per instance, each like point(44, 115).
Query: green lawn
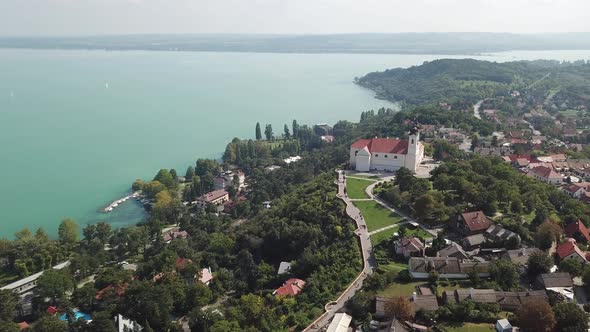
point(393, 266)
point(383, 236)
point(355, 188)
point(400, 289)
point(468, 327)
point(417, 232)
point(376, 215)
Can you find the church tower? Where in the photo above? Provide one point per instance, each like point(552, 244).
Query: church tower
point(415, 151)
point(413, 142)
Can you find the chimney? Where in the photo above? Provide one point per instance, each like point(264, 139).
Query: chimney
point(523, 252)
point(471, 293)
point(414, 296)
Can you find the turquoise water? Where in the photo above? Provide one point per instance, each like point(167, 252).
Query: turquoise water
point(77, 127)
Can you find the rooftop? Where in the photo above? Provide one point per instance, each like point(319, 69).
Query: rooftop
point(382, 145)
point(476, 221)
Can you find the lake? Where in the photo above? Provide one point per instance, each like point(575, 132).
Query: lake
point(78, 127)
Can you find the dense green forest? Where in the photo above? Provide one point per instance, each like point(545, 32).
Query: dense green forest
point(464, 81)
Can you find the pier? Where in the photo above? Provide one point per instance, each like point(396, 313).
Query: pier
point(118, 202)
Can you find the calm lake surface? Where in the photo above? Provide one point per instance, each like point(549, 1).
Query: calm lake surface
point(78, 127)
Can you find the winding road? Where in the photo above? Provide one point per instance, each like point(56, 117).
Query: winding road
point(369, 263)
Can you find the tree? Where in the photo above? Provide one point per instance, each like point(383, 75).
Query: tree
point(258, 132)
point(535, 315)
point(494, 140)
point(400, 307)
point(68, 232)
point(54, 284)
point(505, 273)
point(8, 305)
point(571, 266)
point(165, 177)
point(474, 141)
point(50, 323)
point(287, 133)
point(570, 318)
point(538, 263)
point(23, 235)
point(268, 132)
point(9, 326)
point(103, 231)
point(190, 172)
point(546, 234)
point(41, 235)
point(295, 128)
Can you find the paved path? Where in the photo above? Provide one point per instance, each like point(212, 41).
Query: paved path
point(369, 263)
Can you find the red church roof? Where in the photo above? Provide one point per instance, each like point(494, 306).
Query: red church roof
point(291, 287)
point(577, 227)
point(382, 145)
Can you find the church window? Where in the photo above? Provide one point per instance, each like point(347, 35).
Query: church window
point(376, 155)
point(385, 156)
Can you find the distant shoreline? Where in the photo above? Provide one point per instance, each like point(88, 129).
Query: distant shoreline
point(456, 43)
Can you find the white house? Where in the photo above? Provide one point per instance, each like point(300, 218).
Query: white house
point(386, 154)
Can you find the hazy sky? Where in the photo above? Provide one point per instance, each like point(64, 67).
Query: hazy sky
point(75, 17)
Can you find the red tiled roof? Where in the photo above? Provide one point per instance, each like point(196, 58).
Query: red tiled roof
point(182, 262)
point(51, 310)
point(577, 227)
point(545, 172)
point(572, 188)
point(382, 145)
point(291, 287)
point(411, 243)
point(119, 290)
point(567, 248)
point(476, 221)
point(213, 195)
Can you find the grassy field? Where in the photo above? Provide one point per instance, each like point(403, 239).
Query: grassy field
point(418, 232)
point(468, 327)
point(376, 215)
point(383, 236)
point(393, 266)
point(400, 289)
point(355, 188)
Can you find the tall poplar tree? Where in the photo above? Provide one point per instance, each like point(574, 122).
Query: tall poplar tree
point(258, 132)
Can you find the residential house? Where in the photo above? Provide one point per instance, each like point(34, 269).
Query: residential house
point(284, 267)
point(126, 325)
point(25, 289)
point(453, 250)
point(446, 267)
point(409, 246)
point(340, 323)
point(569, 250)
point(520, 256)
point(575, 190)
point(498, 234)
point(470, 223)
point(174, 233)
point(291, 287)
point(386, 154)
point(474, 241)
point(206, 276)
point(503, 325)
point(577, 230)
point(560, 283)
point(546, 174)
point(216, 197)
point(507, 300)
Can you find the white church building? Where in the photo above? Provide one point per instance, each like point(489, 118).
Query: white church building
point(386, 154)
